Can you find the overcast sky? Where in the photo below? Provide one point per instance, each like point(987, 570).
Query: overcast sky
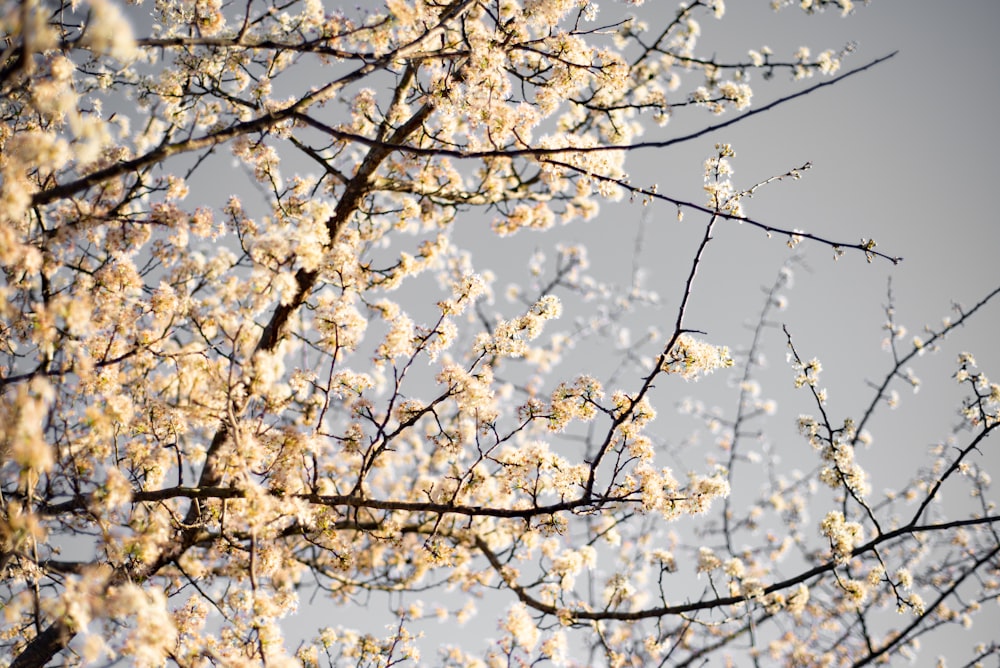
point(902, 153)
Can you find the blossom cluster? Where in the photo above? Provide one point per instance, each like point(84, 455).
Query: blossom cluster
point(692, 358)
point(722, 196)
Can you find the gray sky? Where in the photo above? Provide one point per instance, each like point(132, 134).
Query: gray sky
point(902, 153)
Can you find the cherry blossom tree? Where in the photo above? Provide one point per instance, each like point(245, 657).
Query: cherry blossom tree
point(308, 395)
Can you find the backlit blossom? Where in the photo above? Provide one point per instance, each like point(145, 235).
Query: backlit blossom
point(844, 536)
point(691, 358)
point(109, 32)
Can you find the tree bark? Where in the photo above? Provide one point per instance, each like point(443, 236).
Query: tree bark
point(43, 647)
